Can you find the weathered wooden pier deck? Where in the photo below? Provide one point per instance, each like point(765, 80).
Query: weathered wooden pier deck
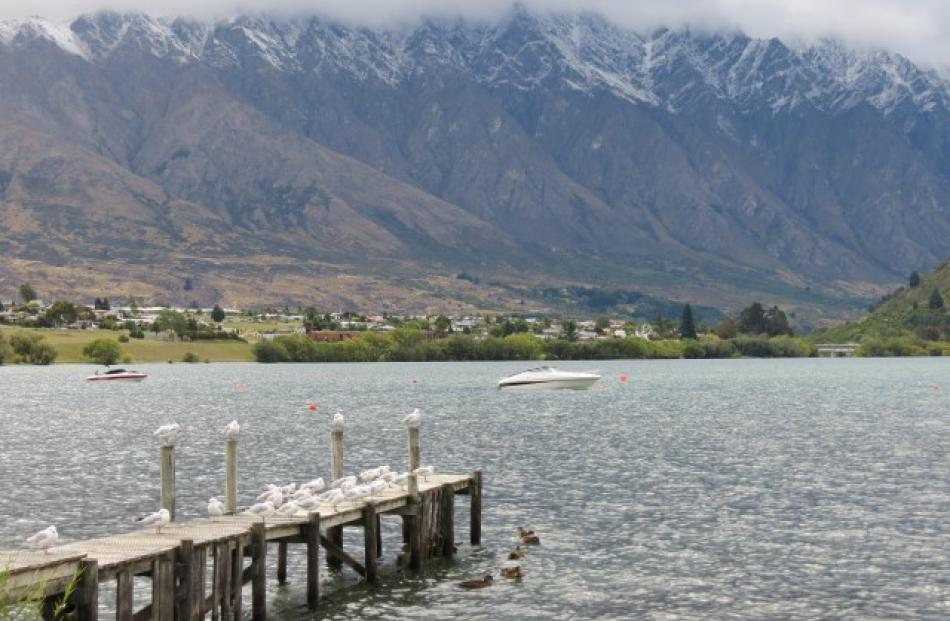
point(200, 567)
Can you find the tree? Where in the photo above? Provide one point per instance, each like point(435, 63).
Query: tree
point(104, 351)
point(569, 329)
point(726, 329)
point(171, 320)
point(776, 322)
point(27, 293)
point(914, 280)
point(752, 320)
point(61, 313)
point(5, 352)
point(601, 324)
point(936, 300)
point(442, 324)
point(687, 323)
point(217, 314)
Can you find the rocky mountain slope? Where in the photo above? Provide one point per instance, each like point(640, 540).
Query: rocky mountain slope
point(302, 159)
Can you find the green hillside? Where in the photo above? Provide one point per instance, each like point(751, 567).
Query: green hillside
point(910, 317)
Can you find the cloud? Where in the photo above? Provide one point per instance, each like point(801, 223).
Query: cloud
point(919, 29)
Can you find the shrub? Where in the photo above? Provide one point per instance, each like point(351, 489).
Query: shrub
point(190, 356)
point(270, 351)
point(31, 348)
point(104, 351)
point(123, 338)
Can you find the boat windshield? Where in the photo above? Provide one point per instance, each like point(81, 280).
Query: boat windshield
point(541, 370)
point(114, 371)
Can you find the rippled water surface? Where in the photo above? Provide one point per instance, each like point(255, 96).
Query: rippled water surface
point(746, 489)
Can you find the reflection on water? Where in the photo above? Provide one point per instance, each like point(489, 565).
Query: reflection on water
point(699, 489)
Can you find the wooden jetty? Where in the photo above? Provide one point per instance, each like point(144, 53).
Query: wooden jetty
point(229, 552)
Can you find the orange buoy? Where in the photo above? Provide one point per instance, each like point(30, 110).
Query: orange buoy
point(624, 379)
point(312, 407)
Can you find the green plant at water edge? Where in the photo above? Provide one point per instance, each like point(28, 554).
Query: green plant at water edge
point(5, 352)
point(31, 348)
point(104, 351)
point(29, 606)
point(190, 356)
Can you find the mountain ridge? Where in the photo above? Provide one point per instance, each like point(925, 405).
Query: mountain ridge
point(559, 145)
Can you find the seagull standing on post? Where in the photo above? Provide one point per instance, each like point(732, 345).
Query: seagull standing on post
point(413, 419)
point(232, 430)
point(167, 433)
point(338, 421)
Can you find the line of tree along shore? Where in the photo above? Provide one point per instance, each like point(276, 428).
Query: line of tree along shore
point(407, 345)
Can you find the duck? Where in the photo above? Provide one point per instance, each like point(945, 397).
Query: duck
point(516, 554)
point(477, 583)
point(512, 571)
point(528, 537)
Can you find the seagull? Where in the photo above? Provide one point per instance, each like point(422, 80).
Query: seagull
point(289, 509)
point(424, 472)
point(215, 508)
point(413, 419)
point(262, 509)
point(384, 470)
point(303, 492)
point(157, 519)
point(356, 493)
point(344, 482)
point(308, 504)
point(316, 486)
point(338, 421)
point(288, 489)
point(334, 497)
point(369, 475)
point(402, 480)
point(275, 498)
point(269, 489)
point(167, 433)
point(376, 487)
point(44, 539)
point(232, 430)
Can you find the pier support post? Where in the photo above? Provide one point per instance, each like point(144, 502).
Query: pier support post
point(163, 602)
point(414, 526)
point(312, 535)
point(335, 534)
point(123, 596)
point(237, 579)
point(369, 544)
point(282, 562)
point(167, 472)
point(447, 525)
point(198, 587)
point(415, 452)
point(475, 508)
point(186, 580)
point(230, 476)
point(87, 593)
point(259, 573)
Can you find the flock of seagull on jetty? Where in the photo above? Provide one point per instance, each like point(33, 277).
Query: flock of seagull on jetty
point(285, 500)
point(292, 499)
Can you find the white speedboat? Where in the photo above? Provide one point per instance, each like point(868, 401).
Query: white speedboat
point(548, 378)
point(118, 374)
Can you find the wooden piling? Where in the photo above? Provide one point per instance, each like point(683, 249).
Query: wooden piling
point(415, 452)
point(186, 571)
point(335, 534)
point(87, 591)
point(259, 573)
point(369, 544)
point(475, 508)
point(220, 567)
point(312, 536)
point(123, 596)
point(230, 476)
point(167, 472)
point(447, 522)
point(282, 562)
point(414, 526)
point(198, 585)
point(237, 579)
point(163, 591)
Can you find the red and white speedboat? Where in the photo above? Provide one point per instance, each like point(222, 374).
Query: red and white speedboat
point(118, 374)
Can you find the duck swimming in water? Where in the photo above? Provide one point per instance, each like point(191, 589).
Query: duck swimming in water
point(476, 583)
point(528, 537)
point(512, 571)
point(516, 554)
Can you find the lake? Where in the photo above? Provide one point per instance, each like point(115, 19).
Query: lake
point(726, 489)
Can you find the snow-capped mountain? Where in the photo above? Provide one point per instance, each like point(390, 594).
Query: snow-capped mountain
point(805, 169)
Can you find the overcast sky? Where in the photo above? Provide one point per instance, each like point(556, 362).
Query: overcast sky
point(917, 28)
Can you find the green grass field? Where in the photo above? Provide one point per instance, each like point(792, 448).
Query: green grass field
point(69, 344)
